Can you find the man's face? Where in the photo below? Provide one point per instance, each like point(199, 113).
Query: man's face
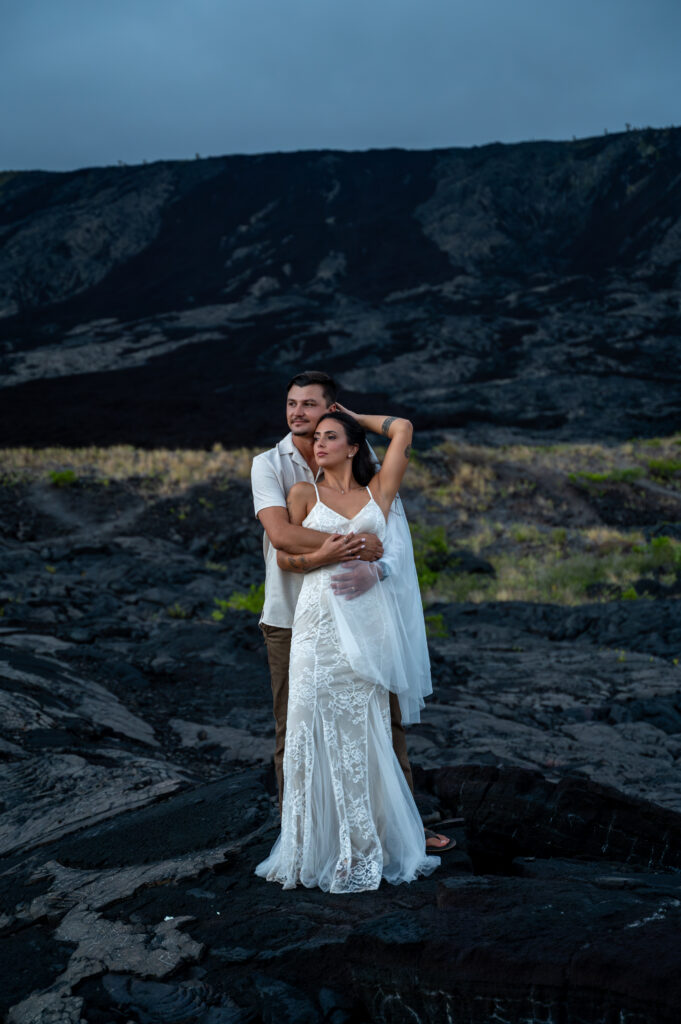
point(304, 406)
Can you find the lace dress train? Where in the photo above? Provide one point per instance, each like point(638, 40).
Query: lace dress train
point(348, 816)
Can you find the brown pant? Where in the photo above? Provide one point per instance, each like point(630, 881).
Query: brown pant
point(278, 643)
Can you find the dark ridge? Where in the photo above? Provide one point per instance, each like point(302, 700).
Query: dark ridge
point(531, 287)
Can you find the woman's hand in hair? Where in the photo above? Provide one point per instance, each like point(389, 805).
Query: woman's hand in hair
point(337, 407)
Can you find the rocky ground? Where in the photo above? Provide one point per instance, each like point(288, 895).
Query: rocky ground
point(520, 303)
point(136, 734)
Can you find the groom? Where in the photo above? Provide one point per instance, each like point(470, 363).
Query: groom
point(274, 472)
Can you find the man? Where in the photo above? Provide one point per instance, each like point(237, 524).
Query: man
point(309, 395)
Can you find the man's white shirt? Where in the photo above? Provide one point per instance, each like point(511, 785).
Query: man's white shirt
point(273, 474)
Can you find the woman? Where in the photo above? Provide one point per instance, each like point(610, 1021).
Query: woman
point(348, 816)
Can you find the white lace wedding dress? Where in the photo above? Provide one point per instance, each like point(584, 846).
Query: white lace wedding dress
point(348, 816)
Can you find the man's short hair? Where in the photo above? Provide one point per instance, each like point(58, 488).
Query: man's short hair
point(307, 377)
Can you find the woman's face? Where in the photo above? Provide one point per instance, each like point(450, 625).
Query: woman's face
point(331, 446)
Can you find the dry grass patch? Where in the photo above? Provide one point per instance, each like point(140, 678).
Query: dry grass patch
point(162, 471)
point(589, 566)
point(511, 506)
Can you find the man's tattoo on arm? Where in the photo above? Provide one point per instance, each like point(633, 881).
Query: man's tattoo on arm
point(407, 451)
point(299, 562)
point(385, 427)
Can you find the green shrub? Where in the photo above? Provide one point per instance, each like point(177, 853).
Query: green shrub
point(664, 469)
point(612, 476)
point(435, 626)
point(524, 533)
point(664, 552)
point(63, 477)
point(176, 611)
point(430, 552)
point(218, 613)
point(252, 601)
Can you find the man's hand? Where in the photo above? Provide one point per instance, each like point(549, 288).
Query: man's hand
point(371, 548)
point(354, 580)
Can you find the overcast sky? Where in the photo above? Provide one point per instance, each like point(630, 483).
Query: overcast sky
point(86, 82)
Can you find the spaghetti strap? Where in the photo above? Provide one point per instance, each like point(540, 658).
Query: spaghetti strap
point(314, 482)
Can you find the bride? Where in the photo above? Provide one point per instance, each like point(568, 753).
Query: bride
point(348, 816)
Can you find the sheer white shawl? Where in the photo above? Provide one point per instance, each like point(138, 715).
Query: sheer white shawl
point(385, 638)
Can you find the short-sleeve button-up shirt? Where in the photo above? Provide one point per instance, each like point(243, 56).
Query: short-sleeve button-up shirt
point(273, 474)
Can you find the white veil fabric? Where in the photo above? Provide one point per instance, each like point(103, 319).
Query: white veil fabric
point(382, 632)
point(403, 593)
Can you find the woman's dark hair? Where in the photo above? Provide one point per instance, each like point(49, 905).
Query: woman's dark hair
point(363, 468)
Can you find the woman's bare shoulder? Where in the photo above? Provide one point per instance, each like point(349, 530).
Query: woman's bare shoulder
point(300, 498)
point(301, 489)
point(299, 501)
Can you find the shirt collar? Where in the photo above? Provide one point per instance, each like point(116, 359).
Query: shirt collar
point(287, 447)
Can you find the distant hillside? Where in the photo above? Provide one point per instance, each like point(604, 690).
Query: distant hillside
point(531, 289)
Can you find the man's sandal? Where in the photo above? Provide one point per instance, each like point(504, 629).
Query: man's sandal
point(436, 843)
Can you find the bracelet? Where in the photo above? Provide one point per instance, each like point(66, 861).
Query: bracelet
point(385, 570)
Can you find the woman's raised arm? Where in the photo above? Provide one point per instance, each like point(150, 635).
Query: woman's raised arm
point(396, 460)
